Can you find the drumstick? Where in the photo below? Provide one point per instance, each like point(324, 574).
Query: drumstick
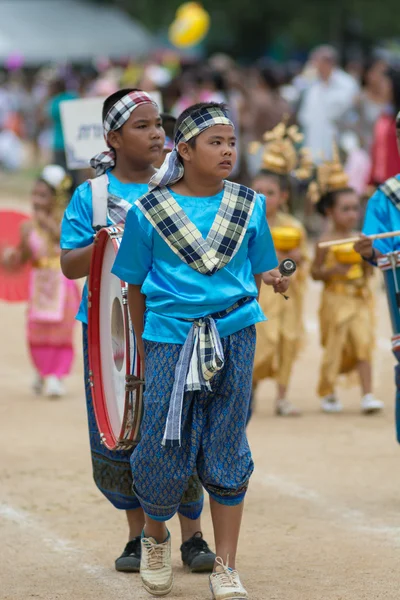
point(353, 240)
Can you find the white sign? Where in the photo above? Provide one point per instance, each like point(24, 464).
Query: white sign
point(83, 129)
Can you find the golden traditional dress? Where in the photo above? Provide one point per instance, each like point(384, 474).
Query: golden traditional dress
point(279, 339)
point(346, 323)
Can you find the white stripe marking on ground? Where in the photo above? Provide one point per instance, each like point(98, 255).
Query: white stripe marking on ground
point(65, 547)
point(356, 519)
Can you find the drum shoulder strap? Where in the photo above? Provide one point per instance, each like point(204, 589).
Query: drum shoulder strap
point(391, 189)
point(99, 187)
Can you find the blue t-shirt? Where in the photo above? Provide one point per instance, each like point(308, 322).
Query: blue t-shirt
point(382, 216)
point(174, 291)
point(76, 227)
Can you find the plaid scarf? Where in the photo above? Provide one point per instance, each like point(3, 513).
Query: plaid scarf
point(116, 117)
point(200, 359)
point(172, 168)
point(225, 236)
point(391, 189)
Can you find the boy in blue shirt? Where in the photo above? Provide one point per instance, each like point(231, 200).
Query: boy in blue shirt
point(383, 215)
point(135, 138)
point(193, 252)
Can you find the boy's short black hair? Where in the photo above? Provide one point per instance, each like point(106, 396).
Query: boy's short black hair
point(168, 123)
point(113, 99)
point(194, 111)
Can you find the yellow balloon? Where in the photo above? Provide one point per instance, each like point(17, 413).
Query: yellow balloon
point(188, 7)
point(190, 27)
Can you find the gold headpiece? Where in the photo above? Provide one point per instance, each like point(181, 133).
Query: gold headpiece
point(330, 176)
point(280, 155)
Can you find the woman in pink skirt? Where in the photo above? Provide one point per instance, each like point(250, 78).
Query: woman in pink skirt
point(53, 299)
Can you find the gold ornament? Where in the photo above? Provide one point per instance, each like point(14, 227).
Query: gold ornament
point(331, 177)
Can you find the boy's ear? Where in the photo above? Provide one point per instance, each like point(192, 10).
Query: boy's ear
point(114, 139)
point(184, 151)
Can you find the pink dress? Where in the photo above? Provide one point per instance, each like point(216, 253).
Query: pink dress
point(53, 303)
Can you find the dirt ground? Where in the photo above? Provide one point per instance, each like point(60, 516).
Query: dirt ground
point(322, 518)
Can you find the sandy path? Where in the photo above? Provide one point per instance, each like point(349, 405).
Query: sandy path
point(322, 518)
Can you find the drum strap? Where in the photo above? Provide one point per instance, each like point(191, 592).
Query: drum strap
point(99, 187)
point(391, 189)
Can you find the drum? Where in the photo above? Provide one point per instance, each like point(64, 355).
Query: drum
point(390, 266)
point(115, 366)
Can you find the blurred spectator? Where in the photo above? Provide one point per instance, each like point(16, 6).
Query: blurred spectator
point(385, 157)
point(266, 107)
point(369, 104)
point(325, 102)
point(58, 94)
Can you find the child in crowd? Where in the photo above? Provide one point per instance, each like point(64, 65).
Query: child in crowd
point(193, 252)
point(135, 139)
point(347, 309)
point(280, 338)
point(53, 299)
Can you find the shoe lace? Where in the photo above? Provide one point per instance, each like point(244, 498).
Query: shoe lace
point(227, 577)
point(198, 543)
point(155, 554)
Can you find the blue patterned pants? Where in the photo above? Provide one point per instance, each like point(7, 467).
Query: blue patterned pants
point(397, 402)
point(214, 441)
point(112, 471)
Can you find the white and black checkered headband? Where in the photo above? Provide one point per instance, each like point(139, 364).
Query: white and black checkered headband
point(116, 117)
point(172, 169)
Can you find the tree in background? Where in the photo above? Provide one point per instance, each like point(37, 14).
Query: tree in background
point(248, 28)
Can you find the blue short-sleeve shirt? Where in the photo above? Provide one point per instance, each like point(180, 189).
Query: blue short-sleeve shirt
point(174, 291)
point(76, 227)
point(382, 216)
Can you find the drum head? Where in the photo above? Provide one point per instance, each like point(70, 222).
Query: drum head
point(113, 356)
point(112, 341)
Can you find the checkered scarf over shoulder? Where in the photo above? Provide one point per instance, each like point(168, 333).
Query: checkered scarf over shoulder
point(225, 236)
point(172, 168)
point(116, 117)
point(391, 189)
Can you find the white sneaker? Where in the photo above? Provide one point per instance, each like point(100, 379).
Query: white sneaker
point(54, 387)
point(37, 384)
point(330, 404)
point(369, 404)
point(156, 567)
point(284, 408)
point(225, 583)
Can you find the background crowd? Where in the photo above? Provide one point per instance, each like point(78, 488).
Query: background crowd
point(353, 105)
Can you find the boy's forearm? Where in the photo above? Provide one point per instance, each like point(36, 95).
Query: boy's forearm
point(76, 263)
point(137, 307)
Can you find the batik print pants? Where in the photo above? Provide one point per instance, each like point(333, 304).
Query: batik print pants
point(213, 443)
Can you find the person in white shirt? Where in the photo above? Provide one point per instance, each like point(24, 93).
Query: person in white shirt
point(324, 103)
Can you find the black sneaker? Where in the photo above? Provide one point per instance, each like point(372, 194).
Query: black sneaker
point(129, 561)
point(197, 555)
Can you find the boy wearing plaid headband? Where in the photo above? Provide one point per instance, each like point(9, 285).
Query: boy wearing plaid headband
point(135, 138)
point(192, 253)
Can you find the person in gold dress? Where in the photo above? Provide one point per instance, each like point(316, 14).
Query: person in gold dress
point(280, 338)
point(347, 309)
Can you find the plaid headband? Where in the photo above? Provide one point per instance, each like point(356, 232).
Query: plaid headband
point(116, 117)
point(172, 168)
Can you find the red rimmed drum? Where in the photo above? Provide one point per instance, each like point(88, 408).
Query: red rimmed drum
point(115, 366)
